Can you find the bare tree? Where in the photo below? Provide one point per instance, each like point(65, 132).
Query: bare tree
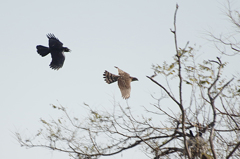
point(204, 103)
point(230, 40)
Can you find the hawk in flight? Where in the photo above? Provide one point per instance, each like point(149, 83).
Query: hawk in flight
point(124, 81)
point(56, 49)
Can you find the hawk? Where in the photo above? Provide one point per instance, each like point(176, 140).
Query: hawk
point(56, 49)
point(124, 81)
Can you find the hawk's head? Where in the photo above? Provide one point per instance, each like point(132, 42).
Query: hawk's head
point(134, 79)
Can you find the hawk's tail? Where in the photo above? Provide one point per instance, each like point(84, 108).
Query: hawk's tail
point(43, 50)
point(109, 77)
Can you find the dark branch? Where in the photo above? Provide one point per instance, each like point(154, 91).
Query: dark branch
point(235, 148)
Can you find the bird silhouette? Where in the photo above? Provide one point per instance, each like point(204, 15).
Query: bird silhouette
point(56, 49)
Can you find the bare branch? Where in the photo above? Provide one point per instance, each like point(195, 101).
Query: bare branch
point(235, 148)
point(164, 90)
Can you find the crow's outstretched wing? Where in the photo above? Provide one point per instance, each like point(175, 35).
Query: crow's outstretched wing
point(54, 43)
point(43, 50)
point(57, 59)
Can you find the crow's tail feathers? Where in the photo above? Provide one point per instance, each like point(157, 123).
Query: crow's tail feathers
point(43, 50)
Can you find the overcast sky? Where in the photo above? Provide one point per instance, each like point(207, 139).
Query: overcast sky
point(130, 34)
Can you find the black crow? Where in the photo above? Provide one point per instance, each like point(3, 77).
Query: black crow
point(56, 49)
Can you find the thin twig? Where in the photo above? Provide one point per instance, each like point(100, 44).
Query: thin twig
point(235, 148)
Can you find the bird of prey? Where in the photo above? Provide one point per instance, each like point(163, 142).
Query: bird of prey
point(56, 49)
point(124, 81)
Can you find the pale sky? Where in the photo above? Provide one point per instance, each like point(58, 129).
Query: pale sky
point(130, 34)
